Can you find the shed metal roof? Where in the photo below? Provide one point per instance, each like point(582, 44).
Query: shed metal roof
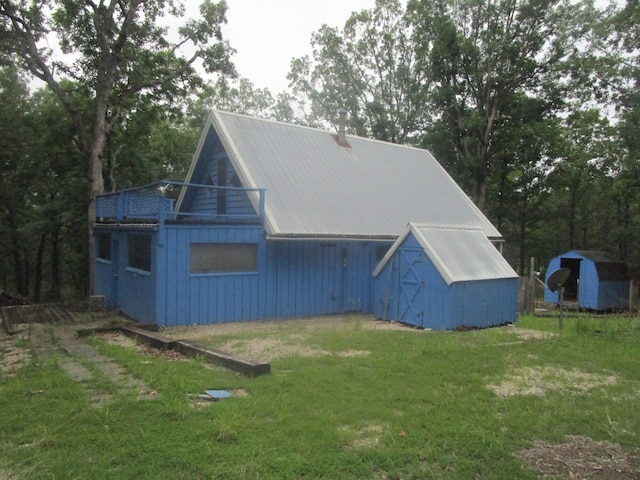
point(459, 254)
point(606, 267)
point(318, 188)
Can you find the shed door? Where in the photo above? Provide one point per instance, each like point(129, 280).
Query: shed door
point(411, 285)
point(571, 286)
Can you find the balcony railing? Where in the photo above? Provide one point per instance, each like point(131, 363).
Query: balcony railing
point(156, 203)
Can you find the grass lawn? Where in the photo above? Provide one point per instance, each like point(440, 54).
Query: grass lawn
point(344, 402)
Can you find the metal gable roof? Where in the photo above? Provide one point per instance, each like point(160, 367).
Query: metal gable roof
point(459, 254)
point(318, 188)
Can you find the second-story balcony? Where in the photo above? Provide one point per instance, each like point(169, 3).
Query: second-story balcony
point(178, 202)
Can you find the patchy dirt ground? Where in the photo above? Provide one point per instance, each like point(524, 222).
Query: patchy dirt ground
point(12, 357)
point(366, 437)
point(526, 334)
point(274, 343)
point(539, 380)
point(582, 458)
point(197, 332)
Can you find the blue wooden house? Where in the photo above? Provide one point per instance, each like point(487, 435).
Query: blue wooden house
point(273, 220)
point(597, 281)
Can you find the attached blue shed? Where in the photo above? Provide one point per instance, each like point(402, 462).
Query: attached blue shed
point(597, 282)
point(273, 220)
point(445, 278)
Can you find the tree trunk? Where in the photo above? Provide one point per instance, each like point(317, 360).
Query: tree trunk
point(20, 268)
point(37, 277)
point(55, 292)
point(480, 190)
point(94, 175)
point(20, 273)
point(522, 240)
point(572, 217)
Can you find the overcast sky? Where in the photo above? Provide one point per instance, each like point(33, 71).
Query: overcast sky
point(267, 34)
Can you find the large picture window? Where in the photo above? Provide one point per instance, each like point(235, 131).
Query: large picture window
point(140, 252)
point(104, 246)
point(223, 257)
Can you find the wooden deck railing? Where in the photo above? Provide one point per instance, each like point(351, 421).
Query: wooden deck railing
point(156, 203)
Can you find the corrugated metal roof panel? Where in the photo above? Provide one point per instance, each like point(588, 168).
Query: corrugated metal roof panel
point(463, 255)
point(459, 254)
point(317, 187)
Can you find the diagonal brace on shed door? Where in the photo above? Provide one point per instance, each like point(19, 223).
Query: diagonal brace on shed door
point(411, 283)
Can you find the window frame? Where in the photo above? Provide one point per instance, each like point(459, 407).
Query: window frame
point(213, 258)
point(104, 244)
point(139, 257)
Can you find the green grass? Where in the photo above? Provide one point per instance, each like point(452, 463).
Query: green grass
point(416, 406)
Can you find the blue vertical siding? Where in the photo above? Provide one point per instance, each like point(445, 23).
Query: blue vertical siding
point(484, 303)
point(307, 280)
point(202, 200)
point(131, 291)
point(206, 200)
point(207, 298)
point(316, 278)
point(588, 285)
point(386, 289)
point(293, 278)
point(103, 275)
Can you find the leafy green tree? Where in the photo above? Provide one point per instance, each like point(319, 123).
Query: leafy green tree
point(14, 152)
point(56, 184)
point(615, 80)
point(516, 186)
point(42, 182)
point(116, 50)
point(480, 55)
point(243, 97)
point(152, 144)
point(577, 169)
point(369, 68)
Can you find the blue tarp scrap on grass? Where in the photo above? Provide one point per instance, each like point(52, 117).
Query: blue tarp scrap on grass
point(218, 394)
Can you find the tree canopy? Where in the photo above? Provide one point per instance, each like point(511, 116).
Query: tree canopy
point(531, 105)
point(115, 57)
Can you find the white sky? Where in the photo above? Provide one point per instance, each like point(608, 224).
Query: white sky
point(267, 34)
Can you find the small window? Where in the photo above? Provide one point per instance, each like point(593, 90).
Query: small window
point(140, 252)
point(223, 257)
point(104, 246)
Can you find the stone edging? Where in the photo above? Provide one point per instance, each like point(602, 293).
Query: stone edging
point(143, 335)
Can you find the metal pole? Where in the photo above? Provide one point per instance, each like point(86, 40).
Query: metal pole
point(560, 316)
